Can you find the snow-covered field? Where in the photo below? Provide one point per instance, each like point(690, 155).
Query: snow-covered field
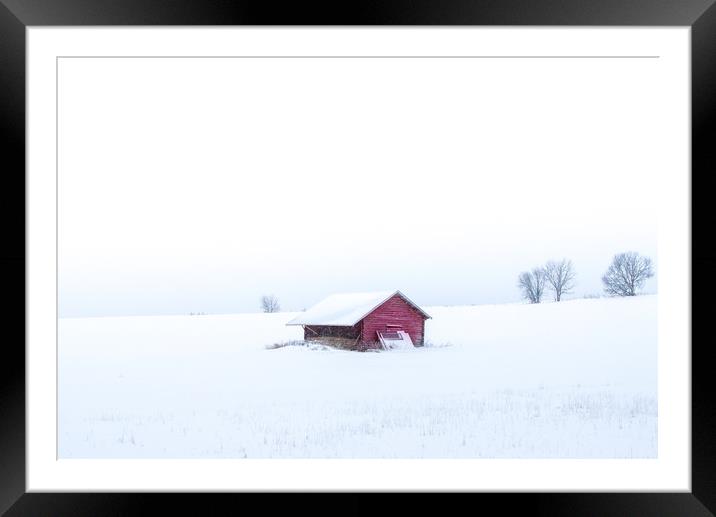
point(575, 379)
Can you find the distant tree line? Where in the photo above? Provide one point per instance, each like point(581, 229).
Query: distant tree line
point(624, 277)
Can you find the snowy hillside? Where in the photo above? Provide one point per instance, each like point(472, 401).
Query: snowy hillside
point(571, 379)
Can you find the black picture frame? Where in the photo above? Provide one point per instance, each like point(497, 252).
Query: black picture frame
point(16, 15)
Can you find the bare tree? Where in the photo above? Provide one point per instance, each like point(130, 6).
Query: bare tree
point(269, 303)
point(531, 283)
point(626, 274)
point(560, 277)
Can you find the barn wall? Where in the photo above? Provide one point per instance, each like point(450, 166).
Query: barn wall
point(393, 311)
point(339, 337)
point(317, 331)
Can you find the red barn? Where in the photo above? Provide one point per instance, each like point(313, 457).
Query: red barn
point(359, 321)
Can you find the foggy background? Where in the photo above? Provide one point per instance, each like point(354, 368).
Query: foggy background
point(198, 185)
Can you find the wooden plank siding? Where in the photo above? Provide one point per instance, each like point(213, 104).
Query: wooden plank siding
point(394, 311)
point(312, 332)
point(341, 337)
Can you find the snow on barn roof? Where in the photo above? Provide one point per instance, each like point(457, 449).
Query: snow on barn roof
point(346, 309)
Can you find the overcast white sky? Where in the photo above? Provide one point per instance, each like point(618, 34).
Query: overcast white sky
point(199, 185)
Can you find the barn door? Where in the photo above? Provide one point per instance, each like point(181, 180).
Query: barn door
point(392, 340)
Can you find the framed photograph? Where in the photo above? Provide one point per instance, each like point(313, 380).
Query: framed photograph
point(436, 251)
